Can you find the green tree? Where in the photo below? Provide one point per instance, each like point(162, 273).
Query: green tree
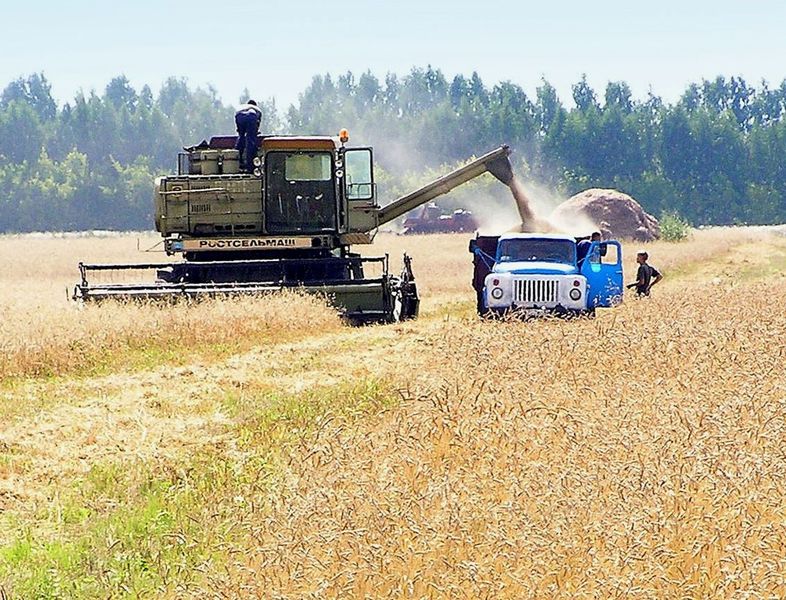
point(584, 96)
point(35, 91)
point(21, 133)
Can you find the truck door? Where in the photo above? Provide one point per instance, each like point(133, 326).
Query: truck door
point(603, 270)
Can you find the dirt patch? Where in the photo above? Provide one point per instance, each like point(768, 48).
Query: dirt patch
point(617, 215)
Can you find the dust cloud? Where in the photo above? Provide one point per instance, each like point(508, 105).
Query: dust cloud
point(490, 203)
point(530, 222)
point(532, 212)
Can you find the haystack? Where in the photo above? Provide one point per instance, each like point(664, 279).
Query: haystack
point(616, 215)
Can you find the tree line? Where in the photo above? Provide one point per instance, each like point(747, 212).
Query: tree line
point(715, 156)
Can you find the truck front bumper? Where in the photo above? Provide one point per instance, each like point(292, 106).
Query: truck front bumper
point(536, 312)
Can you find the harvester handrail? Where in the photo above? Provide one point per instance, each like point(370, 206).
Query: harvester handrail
point(194, 191)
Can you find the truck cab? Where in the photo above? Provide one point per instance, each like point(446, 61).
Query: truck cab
point(538, 273)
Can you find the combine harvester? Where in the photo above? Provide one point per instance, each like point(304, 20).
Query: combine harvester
point(431, 219)
point(289, 224)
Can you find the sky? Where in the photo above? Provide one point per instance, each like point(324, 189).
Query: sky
point(274, 47)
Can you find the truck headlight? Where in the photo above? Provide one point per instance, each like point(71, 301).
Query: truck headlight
point(574, 294)
point(497, 293)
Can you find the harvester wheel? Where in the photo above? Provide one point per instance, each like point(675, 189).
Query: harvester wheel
point(395, 314)
point(409, 301)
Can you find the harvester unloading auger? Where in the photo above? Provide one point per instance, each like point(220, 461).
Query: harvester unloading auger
point(289, 224)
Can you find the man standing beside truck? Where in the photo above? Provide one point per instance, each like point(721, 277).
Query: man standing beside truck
point(247, 120)
point(644, 276)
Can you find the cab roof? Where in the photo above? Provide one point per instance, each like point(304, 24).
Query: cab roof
point(537, 236)
point(278, 142)
point(300, 143)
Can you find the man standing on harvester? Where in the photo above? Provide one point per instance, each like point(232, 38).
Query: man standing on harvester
point(247, 119)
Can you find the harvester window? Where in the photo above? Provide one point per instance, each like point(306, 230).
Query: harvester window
point(300, 194)
point(359, 178)
point(307, 167)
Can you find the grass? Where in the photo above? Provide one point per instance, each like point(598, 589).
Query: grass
point(120, 531)
point(594, 459)
point(47, 336)
point(156, 528)
point(673, 228)
point(253, 450)
point(95, 340)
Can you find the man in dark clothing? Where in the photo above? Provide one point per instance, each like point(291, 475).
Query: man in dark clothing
point(582, 248)
point(247, 119)
point(644, 276)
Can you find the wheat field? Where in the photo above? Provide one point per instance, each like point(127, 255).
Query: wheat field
point(261, 449)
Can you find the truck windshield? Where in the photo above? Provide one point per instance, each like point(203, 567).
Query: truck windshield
point(534, 250)
point(300, 194)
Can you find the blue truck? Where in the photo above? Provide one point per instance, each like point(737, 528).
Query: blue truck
point(532, 274)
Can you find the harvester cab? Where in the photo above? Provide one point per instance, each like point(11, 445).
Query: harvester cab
point(289, 223)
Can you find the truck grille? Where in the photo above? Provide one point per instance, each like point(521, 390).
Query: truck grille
point(535, 291)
